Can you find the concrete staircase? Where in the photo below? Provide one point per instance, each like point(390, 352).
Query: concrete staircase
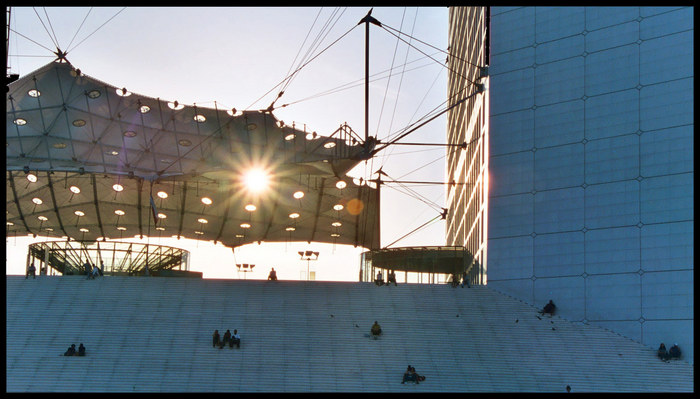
point(154, 335)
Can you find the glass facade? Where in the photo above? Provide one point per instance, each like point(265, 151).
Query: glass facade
point(467, 124)
point(113, 258)
point(590, 164)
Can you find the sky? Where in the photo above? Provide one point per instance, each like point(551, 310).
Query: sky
point(237, 57)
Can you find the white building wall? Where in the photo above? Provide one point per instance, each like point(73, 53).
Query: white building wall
point(591, 165)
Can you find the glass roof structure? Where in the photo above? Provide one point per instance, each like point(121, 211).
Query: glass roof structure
point(89, 161)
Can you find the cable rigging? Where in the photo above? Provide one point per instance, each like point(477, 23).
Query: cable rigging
point(93, 32)
point(297, 70)
point(80, 27)
point(430, 45)
point(55, 43)
point(317, 42)
point(357, 82)
point(271, 107)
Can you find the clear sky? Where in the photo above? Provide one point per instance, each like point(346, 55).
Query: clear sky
point(237, 57)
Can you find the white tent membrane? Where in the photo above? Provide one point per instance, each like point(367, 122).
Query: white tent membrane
point(88, 161)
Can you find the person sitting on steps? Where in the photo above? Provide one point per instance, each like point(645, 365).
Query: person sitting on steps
point(391, 278)
point(549, 308)
point(380, 279)
point(215, 338)
point(662, 353)
point(235, 339)
point(376, 330)
point(674, 352)
point(227, 338)
point(70, 351)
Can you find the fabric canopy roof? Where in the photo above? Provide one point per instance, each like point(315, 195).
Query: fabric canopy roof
point(89, 161)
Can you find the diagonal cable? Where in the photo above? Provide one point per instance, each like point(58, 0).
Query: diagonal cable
point(100, 27)
point(45, 28)
point(80, 27)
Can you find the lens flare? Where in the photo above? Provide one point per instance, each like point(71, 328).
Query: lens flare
point(256, 180)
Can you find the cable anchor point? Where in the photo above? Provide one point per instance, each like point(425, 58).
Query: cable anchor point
point(370, 19)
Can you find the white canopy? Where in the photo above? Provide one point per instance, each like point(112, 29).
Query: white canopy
point(89, 161)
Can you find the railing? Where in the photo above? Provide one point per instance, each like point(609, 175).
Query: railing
point(113, 257)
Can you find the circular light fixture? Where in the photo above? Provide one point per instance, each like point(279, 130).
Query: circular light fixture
point(37, 200)
point(206, 201)
point(113, 153)
point(84, 230)
point(48, 229)
point(329, 144)
point(290, 136)
point(299, 195)
point(338, 207)
point(118, 187)
point(20, 121)
point(294, 215)
point(160, 228)
point(239, 236)
point(290, 228)
point(59, 146)
point(144, 109)
point(162, 194)
point(335, 235)
point(245, 225)
point(10, 223)
point(174, 105)
point(250, 207)
point(184, 142)
point(42, 218)
point(119, 212)
point(336, 224)
point(121, 228)
point(75, 189)
point(199, 233)
point(79, 213)
point(341, 184)
point(202, 220)
point(94, 93)
point(251, 126)
point(34, 93)
point(129, 133)
point(162, 216)
point(79, 123)
point(166, 160)
point(32, 177)
point(200, 118)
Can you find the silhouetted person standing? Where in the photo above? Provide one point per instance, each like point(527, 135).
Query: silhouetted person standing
point(31, 272)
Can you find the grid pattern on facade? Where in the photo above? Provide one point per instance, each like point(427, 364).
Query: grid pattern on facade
point(591, 165)
point(467, 123)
